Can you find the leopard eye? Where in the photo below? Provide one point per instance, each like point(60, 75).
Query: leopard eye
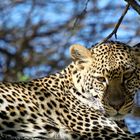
point(128, 75)
point(101, 79)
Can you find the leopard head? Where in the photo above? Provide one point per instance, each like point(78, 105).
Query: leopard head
point(108, 73)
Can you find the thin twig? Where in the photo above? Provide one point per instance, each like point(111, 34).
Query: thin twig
point(114, 32)
point(28, 18)
point(81, 15)
point(134, 5)
point(77, 20)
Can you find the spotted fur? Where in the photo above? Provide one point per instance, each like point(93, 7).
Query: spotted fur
point(80, 102)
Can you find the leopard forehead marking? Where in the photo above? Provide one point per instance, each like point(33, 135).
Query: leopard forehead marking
point(112, 58)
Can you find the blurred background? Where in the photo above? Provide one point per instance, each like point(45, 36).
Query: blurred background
point(35, 35)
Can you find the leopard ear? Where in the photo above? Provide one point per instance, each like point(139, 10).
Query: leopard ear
point(135, 50)
point(80, 54)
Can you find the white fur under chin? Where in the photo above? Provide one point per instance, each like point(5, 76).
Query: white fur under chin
point(91, 102)
point(62, 135)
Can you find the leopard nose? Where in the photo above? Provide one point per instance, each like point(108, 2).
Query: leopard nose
point(117, 104)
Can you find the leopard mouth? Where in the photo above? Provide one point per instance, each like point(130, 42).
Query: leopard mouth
point(118, 116)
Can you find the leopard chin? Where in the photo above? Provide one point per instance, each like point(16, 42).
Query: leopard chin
point(118, 116)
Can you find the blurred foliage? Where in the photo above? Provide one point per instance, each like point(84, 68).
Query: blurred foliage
point(22, 77)
point(35, 35)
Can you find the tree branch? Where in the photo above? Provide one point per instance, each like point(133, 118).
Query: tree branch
point(81, 15)
point(134, 5)
point(114, 32)
point(4, 51)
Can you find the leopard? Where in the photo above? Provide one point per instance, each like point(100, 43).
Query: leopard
point(81, 102)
